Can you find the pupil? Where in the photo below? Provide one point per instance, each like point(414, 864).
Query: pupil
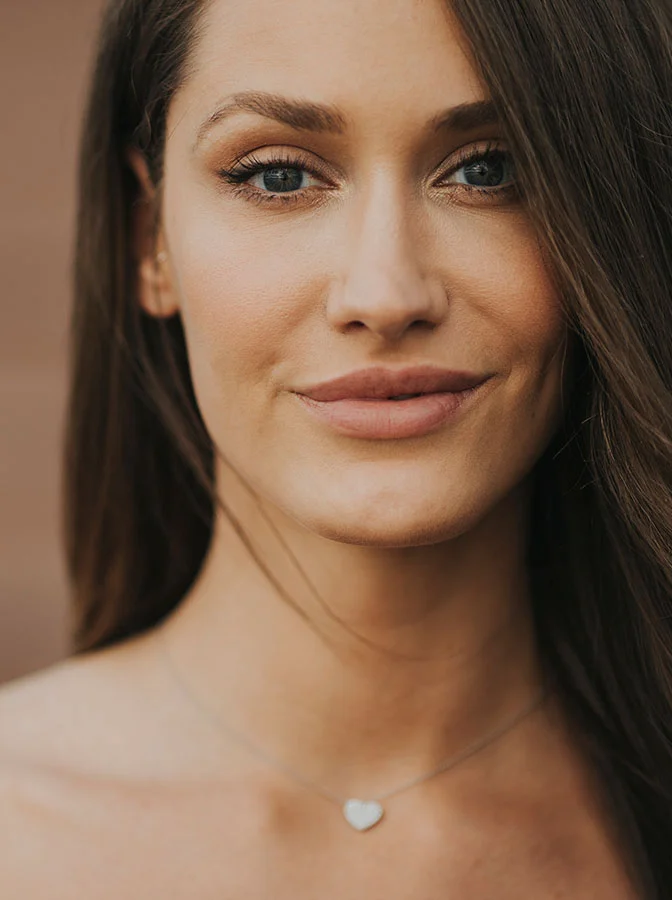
point(282, 181)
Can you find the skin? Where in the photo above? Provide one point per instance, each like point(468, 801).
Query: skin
point(421, 639)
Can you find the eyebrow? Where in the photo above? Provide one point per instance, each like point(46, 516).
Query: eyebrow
point(304, 115)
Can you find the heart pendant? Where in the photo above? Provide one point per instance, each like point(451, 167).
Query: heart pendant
point(362, 814)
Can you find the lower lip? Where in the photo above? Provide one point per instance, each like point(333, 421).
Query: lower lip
point(386, 419)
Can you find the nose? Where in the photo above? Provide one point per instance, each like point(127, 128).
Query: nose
point(384, 286)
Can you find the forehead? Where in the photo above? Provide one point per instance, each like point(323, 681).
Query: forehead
point(380, 61)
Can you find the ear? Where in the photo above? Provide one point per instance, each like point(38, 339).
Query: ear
point(154, 284)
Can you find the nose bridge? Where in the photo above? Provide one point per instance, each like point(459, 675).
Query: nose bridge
point(384, 283)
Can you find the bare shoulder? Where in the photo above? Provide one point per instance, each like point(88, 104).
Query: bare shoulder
point(33, 708)
point(101, 721)
point(77, 740)
point(100, 770)
point(52, 716)
point(39, 715)
point(56, 724)
point(85, 734)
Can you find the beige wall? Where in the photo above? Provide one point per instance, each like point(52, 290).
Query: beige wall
point(45, 52)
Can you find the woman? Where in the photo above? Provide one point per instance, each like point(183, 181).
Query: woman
point(448, 615)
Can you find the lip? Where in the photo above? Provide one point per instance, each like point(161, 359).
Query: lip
point(381, 383)
point(391, 419)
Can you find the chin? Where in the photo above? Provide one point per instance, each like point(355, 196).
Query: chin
point(389, 517)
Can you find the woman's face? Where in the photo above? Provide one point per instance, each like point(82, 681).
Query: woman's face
point(367, 248)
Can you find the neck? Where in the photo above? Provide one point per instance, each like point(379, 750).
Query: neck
point(396, 659)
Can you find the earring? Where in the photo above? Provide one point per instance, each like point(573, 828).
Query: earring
point(162, 256)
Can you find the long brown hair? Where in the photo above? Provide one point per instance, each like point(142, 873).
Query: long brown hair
point(585, 96)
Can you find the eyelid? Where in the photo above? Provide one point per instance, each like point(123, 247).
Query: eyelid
point(290, 157)
point(294, 157)
point(471, 152)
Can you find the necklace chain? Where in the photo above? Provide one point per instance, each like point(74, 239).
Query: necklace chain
point(216, 720)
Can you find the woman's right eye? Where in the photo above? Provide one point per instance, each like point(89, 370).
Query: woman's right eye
point(281, 187)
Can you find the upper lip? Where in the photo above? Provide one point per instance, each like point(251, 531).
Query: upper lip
point(380, 383)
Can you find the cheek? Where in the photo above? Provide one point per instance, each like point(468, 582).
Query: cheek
point(515, 312)
point(506, 307)
point(516, 298)
point(240, 304)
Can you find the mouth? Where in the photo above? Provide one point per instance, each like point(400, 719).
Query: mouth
point(399, 416)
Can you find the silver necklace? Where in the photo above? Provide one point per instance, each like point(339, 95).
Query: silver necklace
point(360, 814)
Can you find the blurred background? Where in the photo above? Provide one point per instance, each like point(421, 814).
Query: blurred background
point(46, 51)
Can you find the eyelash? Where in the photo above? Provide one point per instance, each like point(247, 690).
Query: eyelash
point(239, 175)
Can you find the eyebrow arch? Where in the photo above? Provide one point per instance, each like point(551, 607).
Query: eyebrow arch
point(304, 115)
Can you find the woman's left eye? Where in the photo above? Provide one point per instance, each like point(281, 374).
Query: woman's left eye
point(282, 179)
